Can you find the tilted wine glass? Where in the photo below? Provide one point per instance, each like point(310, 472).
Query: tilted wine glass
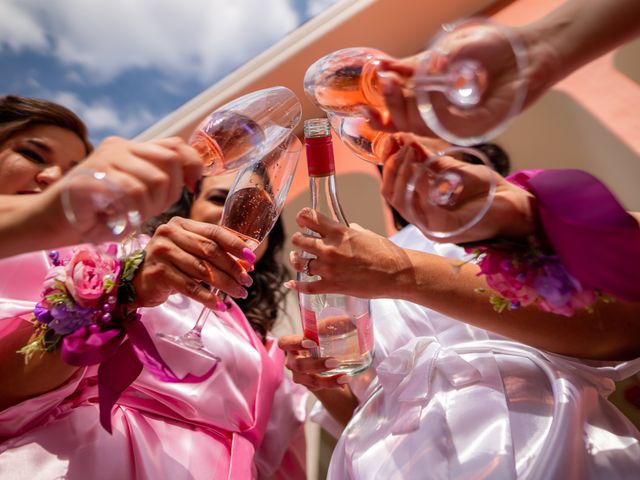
point(444, 180)
point(232, 136)
point(468, 84)
point(245, 128)
point(251, 209)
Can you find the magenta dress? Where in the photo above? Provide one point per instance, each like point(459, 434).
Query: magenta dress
point(228, 426)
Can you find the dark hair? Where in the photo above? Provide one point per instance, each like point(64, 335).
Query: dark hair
point(495, 153)
point(267, 294)
point(20, 113)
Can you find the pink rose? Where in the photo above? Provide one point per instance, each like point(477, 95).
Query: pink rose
point(87, 275)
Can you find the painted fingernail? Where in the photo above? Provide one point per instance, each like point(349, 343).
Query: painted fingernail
point(243, 293)
point(306, 343)
point(305, 212)
point(331, 363)
point(290, 284)
point(246, 280)
point(248, 255)
point(220, 307)
point(343, 380)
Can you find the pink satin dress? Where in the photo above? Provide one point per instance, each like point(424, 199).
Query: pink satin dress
point(227, 427)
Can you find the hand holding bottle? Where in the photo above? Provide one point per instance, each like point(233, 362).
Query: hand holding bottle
point(340, 325)
point(349, 260)
point(305, 368)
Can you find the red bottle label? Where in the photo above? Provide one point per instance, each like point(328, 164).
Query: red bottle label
point(309, 325)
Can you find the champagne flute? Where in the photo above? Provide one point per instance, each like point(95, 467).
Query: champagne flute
point(252, 207)
point(229, 138)
point(437, 186)
point(468, 84)
point(245, 128)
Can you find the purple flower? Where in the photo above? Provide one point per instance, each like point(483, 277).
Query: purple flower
point(54, 255)
point(68, 317)
point(554, 284)
point(42, 314)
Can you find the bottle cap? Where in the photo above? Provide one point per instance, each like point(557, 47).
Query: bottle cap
point(319, 147)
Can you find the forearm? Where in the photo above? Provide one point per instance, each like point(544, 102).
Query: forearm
point(20, 380)
point(340, 403)
point(609, 333)
point(32, 223)
point(574, 34)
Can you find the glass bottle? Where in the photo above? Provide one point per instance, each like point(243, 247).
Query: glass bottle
point(339, 324)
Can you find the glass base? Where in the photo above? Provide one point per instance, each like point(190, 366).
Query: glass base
point(350, 368)
point(189, 341)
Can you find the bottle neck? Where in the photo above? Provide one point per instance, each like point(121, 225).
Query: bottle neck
point(324, 198)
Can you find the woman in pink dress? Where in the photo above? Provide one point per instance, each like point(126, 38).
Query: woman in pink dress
point(222, 427)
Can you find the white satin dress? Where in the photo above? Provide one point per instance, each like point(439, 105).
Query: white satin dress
point(451, 401)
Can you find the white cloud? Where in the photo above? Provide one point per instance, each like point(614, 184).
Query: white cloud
point(101, 115)
point(19, 29)
point(193, 39)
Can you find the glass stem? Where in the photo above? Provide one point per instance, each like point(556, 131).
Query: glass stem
point(196, 331)
point(433, 83)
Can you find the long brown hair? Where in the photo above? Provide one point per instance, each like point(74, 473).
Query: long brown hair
point(20, 113)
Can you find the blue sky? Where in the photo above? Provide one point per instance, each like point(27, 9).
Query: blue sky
point(124, 64)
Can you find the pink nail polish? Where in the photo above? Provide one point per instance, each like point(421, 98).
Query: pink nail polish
point(248, 255)
point(221, 307)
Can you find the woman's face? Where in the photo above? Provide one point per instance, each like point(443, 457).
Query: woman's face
point(210, 203)
point(37, 157)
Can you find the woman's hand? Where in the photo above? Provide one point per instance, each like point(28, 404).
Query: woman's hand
point(150, 176)
point(352, 261)
point(510, 214)
point(504, 81)
point(402, 114)
point(305, 368)
point(184, 255)
point(333, 392)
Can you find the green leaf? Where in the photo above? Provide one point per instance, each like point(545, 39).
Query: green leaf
point(500, 304)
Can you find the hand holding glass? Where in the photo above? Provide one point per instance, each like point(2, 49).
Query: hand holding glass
point(253, 205)
point(468, 83)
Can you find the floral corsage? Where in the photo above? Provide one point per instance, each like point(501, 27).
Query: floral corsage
point(89, 288)
point(522, 274)
point(85, 311)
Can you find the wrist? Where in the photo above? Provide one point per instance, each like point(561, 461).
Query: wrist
point(545, 64)
point(519, 217)
point(36, 222)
